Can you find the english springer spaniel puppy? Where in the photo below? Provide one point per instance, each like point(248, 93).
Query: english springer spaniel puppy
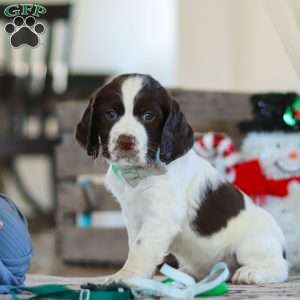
point(174, 201)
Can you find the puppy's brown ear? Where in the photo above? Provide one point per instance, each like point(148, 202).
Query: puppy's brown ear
point(177, 135)
point(86, 131)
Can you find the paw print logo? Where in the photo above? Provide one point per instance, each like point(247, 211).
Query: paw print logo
point(24, 31)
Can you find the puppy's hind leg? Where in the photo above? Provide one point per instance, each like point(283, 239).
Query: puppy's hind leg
point(262, 260)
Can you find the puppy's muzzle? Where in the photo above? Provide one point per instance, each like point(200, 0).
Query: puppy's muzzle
point(126, 142)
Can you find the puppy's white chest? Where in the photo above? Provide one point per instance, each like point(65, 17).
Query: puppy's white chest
point(132, 200)
point(135, 205)
point(135, 209)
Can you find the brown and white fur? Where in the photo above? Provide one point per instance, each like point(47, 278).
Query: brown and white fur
point(189, 210)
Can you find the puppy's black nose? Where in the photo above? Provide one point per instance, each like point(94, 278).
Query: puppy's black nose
point(126, 142)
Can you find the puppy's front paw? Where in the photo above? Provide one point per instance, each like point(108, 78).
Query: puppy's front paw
point(249, 275)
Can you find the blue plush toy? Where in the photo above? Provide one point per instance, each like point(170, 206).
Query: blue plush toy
point(15, 246)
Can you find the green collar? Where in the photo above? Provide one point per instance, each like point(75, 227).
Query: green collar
point(134, 174)
point(116, 170)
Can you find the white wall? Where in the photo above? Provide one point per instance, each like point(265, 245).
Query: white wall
point(263, 63)
point(231, 45)
point(125, 36)
point(208, 44)
point(205, 43)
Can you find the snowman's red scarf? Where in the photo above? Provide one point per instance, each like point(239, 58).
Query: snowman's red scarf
point(251, 180)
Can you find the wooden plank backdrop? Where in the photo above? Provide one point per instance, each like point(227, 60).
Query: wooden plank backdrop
point(72, 159)
point(206, 111)
point(72, 200)
point(106, 246)
point(200, 107)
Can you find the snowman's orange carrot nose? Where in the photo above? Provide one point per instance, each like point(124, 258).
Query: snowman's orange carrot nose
point(293, 154)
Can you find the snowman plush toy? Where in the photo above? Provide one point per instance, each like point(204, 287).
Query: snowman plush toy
point(268, 164)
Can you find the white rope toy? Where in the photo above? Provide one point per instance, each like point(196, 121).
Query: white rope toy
point(184, 286)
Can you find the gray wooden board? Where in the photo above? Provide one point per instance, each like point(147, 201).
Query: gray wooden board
point(199, 106)
point(71, 199)
point(206, 111)
point(69, 113)
point(289, 290)
point(93, 245)
point(72, 159)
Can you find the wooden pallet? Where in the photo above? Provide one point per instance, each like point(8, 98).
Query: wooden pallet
point(205, 111)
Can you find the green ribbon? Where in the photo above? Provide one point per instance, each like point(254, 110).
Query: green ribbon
point(61, 292)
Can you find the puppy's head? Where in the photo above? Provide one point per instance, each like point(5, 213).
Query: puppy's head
point(134, 120)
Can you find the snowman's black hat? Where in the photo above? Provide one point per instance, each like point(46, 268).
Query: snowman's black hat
point(274, 112)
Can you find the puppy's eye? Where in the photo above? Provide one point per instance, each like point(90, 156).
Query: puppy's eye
point(111, 115)
point(148, 116)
